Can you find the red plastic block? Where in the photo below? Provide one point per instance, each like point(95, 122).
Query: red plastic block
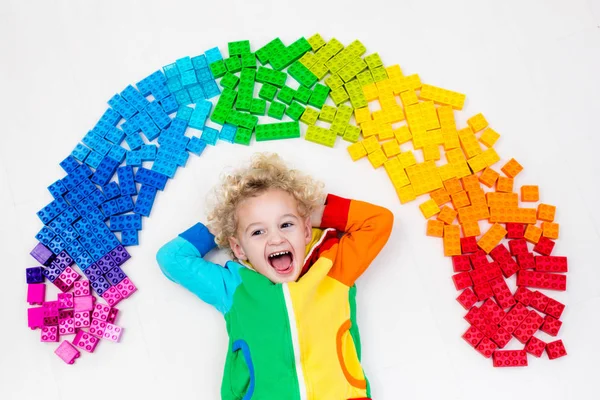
point(473, 336)
point(542, 280)
point(468, 244)
point(554, 308)
point(515, 231)
point(556, 349)
point(551, 325)
point(551, 264)
point(500, 254)
point(467, 299)
point(479, 259)
point(529, 327)
point(514, 318)
point(523, 295)
point(486, 347)
point(501, 337)
point(509, 268)
point(544, 246)
point(535, 347)
point(492, 311)
point(476, 318)
point(462, 280)
point(502, 293)
point(526, 261)
point(517, 247)
point(539, 301)
point(478, 276)
point(461, 263)
point(483, 291)
point(510, 358)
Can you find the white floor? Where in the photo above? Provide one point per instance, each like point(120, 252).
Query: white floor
point(532, 68)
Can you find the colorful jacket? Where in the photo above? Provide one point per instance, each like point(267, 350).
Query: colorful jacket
point(297, 340)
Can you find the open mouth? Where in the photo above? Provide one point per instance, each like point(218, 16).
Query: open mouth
point(282, 262)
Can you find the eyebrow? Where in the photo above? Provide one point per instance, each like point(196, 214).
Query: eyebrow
point(258, 223)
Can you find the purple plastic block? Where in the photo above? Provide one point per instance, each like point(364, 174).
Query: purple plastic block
point(85, 341)
point(65, 300)
point(35, 317)
point(100, 285)
point(42, 254)
point(84, 303)
point(106, 263)
point(67, 352)
point(49, 334)
point(51, 273)
point(112, 316)
point(115, 275)
point(113, 332)
point(34, 275)
point(126, 288)
point(82, 319)
point(120, 255)
point(112, 296)
point(62, 261)
point(36, 293)
point(93, 272)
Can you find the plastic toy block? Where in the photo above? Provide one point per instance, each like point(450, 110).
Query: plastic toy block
point(267, 92)
point(119, 255)
point(542, 280)
point(528, 327)
point(477, 122)
point(532, 233)
point(49, 334)
point(371, 144)
point(129, 237)
point(451, 240)
point(126, 182)
point(248, 60)
point(551, 325)
point(105, 171)
point(80, 152)
point(357, 151)
point(267, 75)
point(233, 64)
point(468, 244)
point(302, 95)
point(435, 228)
point(150, 178)
point(286, 94)
point(319, 96)
point(492, 311)
point(67, 352)
point(378, 158)
point(492, 238)
point(112, 296)
point(112, 316)
point(320, 135)
point(275, 131)
point(442, 96)
point(486, 347)
point(554, 308)
point(276, 110)
point(57, 189)
point(52, 210)
point(34, 275)
point(115, 275)
point(518, 247)
point(316, 42)
point(69, 164)
point(66, 326)
point(302, 74)
point(429, 208)
point(440, 196)
point(406, 194)
point(395, 172)
point(535, 347)
point(36, 293)
point(462, 280)
point(81, 288)
point(126, 288)
point(512, 168)
point(469, 228)
point(514, 318)
point(120, 105)
point(65, 300)
point(229, 80)
point(526, 261)
point(35, 317)
point(310, 116)
point(530, 193)
point(113, 332)
point(218, 68)
point(196, 146)
point(294, 111)
point(85, 341)
point(82, 319)
point(467, 299)
point(476, 318)
point(97, 327)
point(539, 301)
point(243, 136)
point(101, 312)
point(83, 303)
point(510, 358)
point(545, 246)
point(515, 231)
point(523, 295)
point(460, 199)
point(555, 349)
point(501, 293)
point(483, 290)
point(546, 212)
point(473, 336)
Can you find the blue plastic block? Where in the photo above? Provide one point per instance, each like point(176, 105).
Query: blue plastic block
point(170, 70)
point(213, 55)
point(164, 167)
point(126, 182)
point(89, 210)
point(196, 93)
point(125, 221)
point(102, 128)
point(169, 104)
point(74, 196)
point(150, 178)
point(100, 285)
point(117, 153)
point(57, 189)
point(105, 171)
point(134, 141)
point(184, 64)
point(134, 158)
point(86, 187)
point(145, 85)
point(211, 89)
point(177, 127)
point(93, 159)
point(82, 171)
point(45, 235)
point(69, 234)
point(125, 203)
point(196, 145)
point(131, 126)
point(209, 135)
point(158, 115)
point(188, 78)
point(96, 197)
point(129, 237)
point(157, 77)
point(111, 190)
point(74, 249)
point(184, 113)
point(110, 207)
point(69, 215)
point(115, 135)
point(182, 97)
point(174, 84)
point(228, 133)
point(204, 75)
point(173, 142)
point(83, 260)
point(120, 105)
point(80, 152)
point(111, 117)
point(171, 154)
point(147, 126)
point(147, 152)
point(82, 225)
point(160, 91)
point(69, 164)
point(52, 210)
point(134, 98)
point(97, 143)
point(199, 62)
point(145, 200)
point(76, 176)
point(200, 114)
point(57, 245)
point(34, 274)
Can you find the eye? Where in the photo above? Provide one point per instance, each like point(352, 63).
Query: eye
point(257, 232)
point(287, 225)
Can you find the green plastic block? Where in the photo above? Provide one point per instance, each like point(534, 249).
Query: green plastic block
point(319, 96)
point(320, 135)
point(352, 69)
point(264, 53)
point(319, 69)
point(308, 60)
point(233, 64)
point(229, 80)
point(248, 60)
point(339, 95)
point(278, 130)
point(354, 49)
point(302, 74)
point(267, 75)
point(295, 111)
point(341, 120)
point(327, 113)
point(239, 118)
point(276, 110)
point(249, 121)
point(302, 94)
point(243, 136)
point(219, 114)
point(365, 78)
point(352, 133)
point(329, 50)
point(356, 94)
point(286, 94)
point(278, 55)
point(287, 56)
point(316, 41)
point(227, 98)
point(258, 106)
point(238, 48)
point(267, 92)
point(246, 89)
point(218, 69)
point(379, 74)
point(373, 60)
point(310, 116)
point(334, 82)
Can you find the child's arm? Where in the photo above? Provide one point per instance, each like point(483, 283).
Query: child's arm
point(366, 228)
point(181, 261)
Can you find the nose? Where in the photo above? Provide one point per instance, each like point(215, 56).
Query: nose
point(275, 237)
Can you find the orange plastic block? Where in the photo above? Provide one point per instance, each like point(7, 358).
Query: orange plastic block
point(362, 115)
point(431, 152)
point(513, 215)
point(407, 159)
point(391, 148)
point(447, 215)
point(473, 213)
point(470, 228)
point(460, 199)
point(512, 168)
point(440, 196)
point(495, 199)
point(377, 158)
point(429, 208)
point(550, 230)
point(504, 184)
point(533, 233)
point(470, 182)
point(396, 173)
point(477, 197)
point(489, 137)
point(530, 193)
point(406, 194)
point(452, 240)
point(435, 228)
point(455, 155)
point(489, 177)
point(477, 122)
point(546, 212)
point(453, 185)
point(357, 151)
point(492, 238)
point(403, 134)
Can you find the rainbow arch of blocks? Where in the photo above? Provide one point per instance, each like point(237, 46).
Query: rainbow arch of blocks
point(197, 102)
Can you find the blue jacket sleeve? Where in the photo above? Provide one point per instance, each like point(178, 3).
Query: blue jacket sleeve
point(181, 260)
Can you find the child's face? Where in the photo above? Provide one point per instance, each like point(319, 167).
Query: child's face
point(272, 235)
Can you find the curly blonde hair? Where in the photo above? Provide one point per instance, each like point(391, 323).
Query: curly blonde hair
point(266, 171)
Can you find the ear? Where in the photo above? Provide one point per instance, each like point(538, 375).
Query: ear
point(307, 230)
point(237, 249)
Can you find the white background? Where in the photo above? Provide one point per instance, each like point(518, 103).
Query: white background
point(532, 68)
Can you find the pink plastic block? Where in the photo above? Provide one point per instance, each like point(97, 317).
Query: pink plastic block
point(101, 311)
point(69, 276)
point(36, 293)
point(85, 341)
point(113, 332)
point(49, 334)
point(50, 313)
point(66, 326)
point(112, 316)
point(67, 352)
point(97, 328)
point(82, 319)
point(126, 288)
point(35, 317)
point(65, 300)
point(112, 296)
point(81, 288)
point(84, 303)
point(66, 314)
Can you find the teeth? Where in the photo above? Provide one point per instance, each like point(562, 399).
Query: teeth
point(278, 254)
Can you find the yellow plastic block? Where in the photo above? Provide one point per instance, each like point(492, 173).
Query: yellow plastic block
point(371, 144)
point(387, 100)
point(310, 115)
point(489, 137)
point(477, 163)
point(470, 228)
point(379, 115)
point(403, 134)
point(530, 193)
point(391, 148)
point(400, 84)
point(394, 71)
point(407, 159)
point(435, 228)
point(460, 199)
point(492, 238)
point(413, 81)
point(327, 113)
point(330, 49)
point(377, 158)
point(469, 142)
point(512, 168)
point(491, 157)
point(489, 177)
point(394, 114)
point(370, 128)
point(447, 215)
point(455, 155)
point(430, 115)
point(442, 96)
point(447, 121)
point(385, 131)
point(371, 92)
point(452, 240)
point(446, 172)
point(429, 208)
point(550, 230)
point(352, 133)
point(504, 184)
point(450, 140)
point(532, 233)
point(406, 194)
point(385, 87)
point(440, 196)
point(396, 173)
point(477, 122)
point(462, 169)
point(362, 114)
point(308, 60)
point(546, 212)
point(409, 98)
point(357, 151)
point(431, 152)
point(424, 177)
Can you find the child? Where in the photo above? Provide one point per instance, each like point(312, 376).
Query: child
point(289, 297)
